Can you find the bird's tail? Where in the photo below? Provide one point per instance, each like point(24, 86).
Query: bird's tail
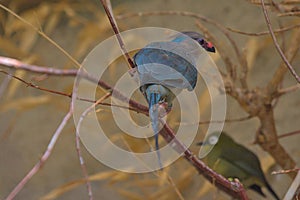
point(154, 115)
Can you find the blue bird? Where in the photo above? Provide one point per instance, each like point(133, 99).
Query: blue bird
point(164, 69)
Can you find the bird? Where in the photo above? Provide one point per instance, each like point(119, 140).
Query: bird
point(164, 69)
point(233, 160)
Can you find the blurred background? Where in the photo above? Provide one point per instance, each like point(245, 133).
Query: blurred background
point(29, 117)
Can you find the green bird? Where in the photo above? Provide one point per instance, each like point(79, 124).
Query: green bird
point(233, 160)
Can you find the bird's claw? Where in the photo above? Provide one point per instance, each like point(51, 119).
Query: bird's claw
point(132, 71)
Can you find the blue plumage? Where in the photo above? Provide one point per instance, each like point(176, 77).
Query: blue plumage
point(165, 68)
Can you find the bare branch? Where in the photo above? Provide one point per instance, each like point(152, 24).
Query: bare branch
point(293, 13)
point(240, 56)
point(70, 95)
point(43, 159)
point(286, 61)
point(35, 86)
point(78, 149)
point(117, 33)
point(42, 34)
point(230, 66)
point(282, 69)
point(288, 90)
point(289, 134)
point(13, 63)
point(264, 32)
point(234, 189)
point(228, 120)
point(285, 171)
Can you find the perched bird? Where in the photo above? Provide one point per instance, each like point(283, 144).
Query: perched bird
point(233, 160)
point(164, 69)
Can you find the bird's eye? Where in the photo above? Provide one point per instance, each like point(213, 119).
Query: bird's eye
point(213, 140)
point(201, 41)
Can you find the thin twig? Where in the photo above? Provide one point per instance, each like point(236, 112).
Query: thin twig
point(218, 121)
point(227, 120)
point(115, 28)
point(282, 69)
point(17, 64)
point(232, 188)
point(289, 134)
point(78, 149)
point(173, 184)
point(36, 86)
point(288, 2)
point(42, 34)
point(100, 101)
point(292, 13)
point(285, 60)
point(169, 136)
point(221, 182)
point(264, 32)
point(240, 57)
point(156, 173)
point(70, 95)
point(230, 66)
point(288, 90)
point(285, 171)
point(43, 159)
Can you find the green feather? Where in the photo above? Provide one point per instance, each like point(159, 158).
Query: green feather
point(233, 160)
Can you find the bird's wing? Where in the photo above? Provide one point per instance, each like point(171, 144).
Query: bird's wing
point(167, 64)
point(248, 162)
point(245, 160)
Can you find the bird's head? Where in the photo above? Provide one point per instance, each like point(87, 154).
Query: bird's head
point(216, 137)
point(213, 138)
point(208, 46)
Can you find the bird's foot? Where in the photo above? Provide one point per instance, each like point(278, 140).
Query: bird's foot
point(132, 71)
point(163, 109)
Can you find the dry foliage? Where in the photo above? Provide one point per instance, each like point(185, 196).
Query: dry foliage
point(21, 38)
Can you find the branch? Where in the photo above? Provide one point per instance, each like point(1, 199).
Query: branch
point(264, 32)
point(288, 90)
point(240, 56)
point(69, 95)
point(78, 149)
point(282, 69)
point(17, 64)
point(228, 120)
point(289, 134)
point(232, 188)
point(235, 189)
point(40, 32)
point(37, 87)
point(170, 136)
point(115, 28)
point(285, 60)
point(44, 157)
point(285, 171)
point(230, 66)
point(292, 13)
